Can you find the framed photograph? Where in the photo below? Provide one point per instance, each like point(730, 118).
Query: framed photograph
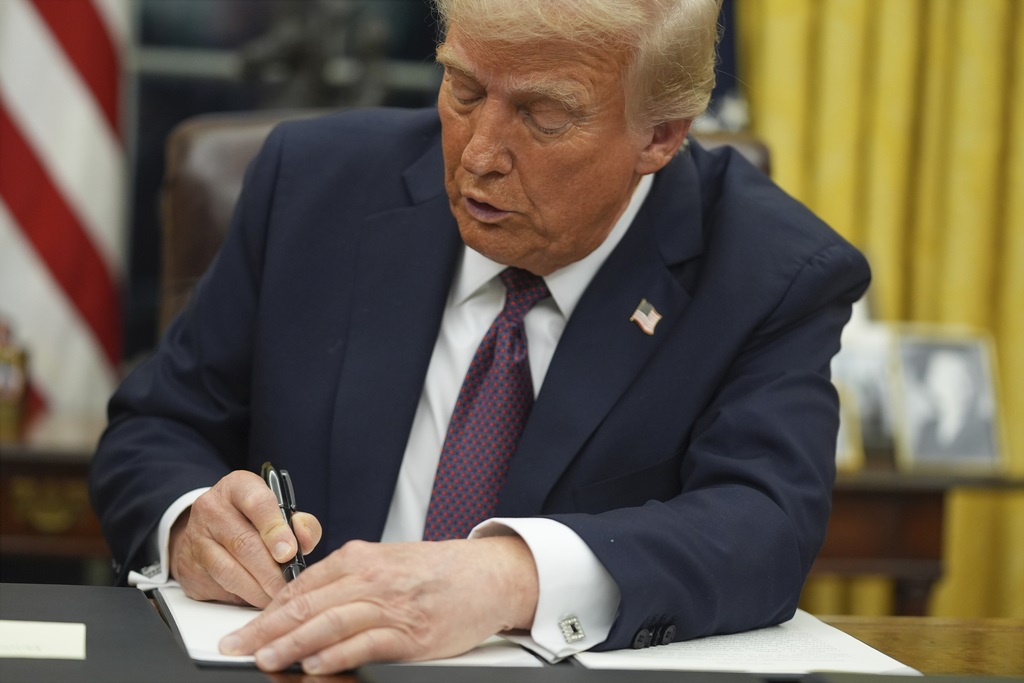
point(947, 416)
point(863, 368)
point(849, 451)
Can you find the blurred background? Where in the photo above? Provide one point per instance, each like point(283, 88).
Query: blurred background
point(900, 122)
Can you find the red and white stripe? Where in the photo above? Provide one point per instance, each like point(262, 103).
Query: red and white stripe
point(62, 193)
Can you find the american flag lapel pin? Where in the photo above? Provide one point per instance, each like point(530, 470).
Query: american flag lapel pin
point(646, 316)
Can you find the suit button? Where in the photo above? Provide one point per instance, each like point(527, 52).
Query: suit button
point(669, 635)
point(642, 639)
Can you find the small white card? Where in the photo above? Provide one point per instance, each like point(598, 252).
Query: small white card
point(41, 640)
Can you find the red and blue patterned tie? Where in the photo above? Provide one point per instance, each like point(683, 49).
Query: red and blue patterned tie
point(490, 413)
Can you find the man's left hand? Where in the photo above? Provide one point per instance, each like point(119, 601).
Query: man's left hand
point(373, 602)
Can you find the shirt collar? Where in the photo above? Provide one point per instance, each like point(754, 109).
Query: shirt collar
point(565, 284)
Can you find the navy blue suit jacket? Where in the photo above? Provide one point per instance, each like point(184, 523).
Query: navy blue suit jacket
point(697, 462)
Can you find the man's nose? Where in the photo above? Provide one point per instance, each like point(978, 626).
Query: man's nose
point(487, 150)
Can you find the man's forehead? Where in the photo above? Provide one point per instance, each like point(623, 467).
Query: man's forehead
point(523, 70)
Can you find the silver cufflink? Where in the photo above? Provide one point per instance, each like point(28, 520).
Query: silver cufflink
point(572, 630)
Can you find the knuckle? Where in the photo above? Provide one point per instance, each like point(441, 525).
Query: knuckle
point(352, 554)
point(334, 620)
point(220, 569)
point(250, 501)
point(203, 505)
point(298, 607)
point(385, 645)
point(246, 544)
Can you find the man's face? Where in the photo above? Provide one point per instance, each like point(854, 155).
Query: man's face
point(539, 160)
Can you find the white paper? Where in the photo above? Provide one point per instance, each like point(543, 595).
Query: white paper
point(203, 624)
point(41, 640)
point(798, 646)
point(495, 651)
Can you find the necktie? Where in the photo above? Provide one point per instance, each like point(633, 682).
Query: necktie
point(489, 416)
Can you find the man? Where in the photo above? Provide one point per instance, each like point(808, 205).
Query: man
point(673, 477)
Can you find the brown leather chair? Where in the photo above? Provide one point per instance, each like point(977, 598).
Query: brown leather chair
point(206, 158)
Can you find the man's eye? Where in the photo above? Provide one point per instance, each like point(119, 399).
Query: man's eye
point(461, 92)
point(465, 98)
point(548, 121)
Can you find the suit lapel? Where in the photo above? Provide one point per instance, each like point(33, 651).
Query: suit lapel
point(406, 260)
point(602, 351)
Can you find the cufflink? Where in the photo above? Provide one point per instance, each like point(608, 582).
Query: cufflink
point(572, 630)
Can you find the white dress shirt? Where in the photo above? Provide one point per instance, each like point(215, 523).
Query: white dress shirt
point(573, 584)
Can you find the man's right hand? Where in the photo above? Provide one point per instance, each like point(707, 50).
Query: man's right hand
point(229, 544)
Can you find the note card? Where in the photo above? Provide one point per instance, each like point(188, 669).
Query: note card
point(41, 640)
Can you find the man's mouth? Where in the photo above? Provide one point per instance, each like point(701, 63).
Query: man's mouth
point(484, 212)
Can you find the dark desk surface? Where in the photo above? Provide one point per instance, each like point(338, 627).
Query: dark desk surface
point(127, 631)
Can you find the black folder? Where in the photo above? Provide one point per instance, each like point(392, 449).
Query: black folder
point(125, 639)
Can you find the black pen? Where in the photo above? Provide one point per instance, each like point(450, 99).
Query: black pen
point(280, 483)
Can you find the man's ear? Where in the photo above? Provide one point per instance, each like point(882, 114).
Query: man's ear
point(665, 140)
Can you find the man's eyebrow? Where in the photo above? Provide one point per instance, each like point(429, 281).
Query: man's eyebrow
point(567, 93)
point(446, 57)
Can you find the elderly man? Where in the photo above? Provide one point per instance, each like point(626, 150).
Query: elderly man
point(642, 443)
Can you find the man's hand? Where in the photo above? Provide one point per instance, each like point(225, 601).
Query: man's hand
point(371, 602)
point(227, 546)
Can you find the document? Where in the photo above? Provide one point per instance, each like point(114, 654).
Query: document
point(201, 625)
point(41, 640)
point(799, 646)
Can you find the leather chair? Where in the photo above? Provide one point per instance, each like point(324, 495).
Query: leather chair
point(206, 158)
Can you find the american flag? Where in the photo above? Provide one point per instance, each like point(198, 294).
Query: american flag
point(646, 316)
point(62, 194)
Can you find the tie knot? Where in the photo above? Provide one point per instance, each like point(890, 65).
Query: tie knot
point(523, 290)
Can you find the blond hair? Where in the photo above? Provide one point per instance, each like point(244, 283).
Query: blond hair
point(667, 45)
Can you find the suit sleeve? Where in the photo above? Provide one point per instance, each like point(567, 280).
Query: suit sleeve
point(731, 551)
point(180, 421)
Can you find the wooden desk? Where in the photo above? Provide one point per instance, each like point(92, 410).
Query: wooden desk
point(891, 524)
point(932, 645)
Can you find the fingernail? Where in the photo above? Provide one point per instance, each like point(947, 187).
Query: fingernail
point(282, 550)
point(267, 658)
point(229, 644)
point(311, 665)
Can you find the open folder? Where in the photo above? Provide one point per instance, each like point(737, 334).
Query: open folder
point(801, 645)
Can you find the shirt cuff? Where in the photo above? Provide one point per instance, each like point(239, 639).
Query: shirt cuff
point(159, 573)
point(578, 599)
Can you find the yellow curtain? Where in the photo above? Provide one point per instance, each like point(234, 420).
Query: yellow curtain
point(901, 123)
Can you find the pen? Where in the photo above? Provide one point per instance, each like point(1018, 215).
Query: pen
point(280, 482)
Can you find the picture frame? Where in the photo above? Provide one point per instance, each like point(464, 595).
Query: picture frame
point(849, 449)
point(863, 368)
point(945, 397)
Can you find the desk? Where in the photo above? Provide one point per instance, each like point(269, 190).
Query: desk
point(891, 524)
point(125, 631)
point(933, 645)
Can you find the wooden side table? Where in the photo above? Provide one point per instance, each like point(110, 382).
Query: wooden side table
point(891, 524)
point(44, 498)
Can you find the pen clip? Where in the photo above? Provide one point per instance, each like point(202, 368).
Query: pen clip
point(273, 479)
point(287, 491)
